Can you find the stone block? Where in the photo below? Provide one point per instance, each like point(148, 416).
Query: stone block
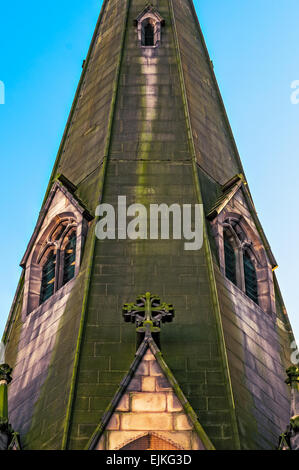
point(217, 404)
point(146, 422)
point(182, 423)
point(163, 384)
point(149, 356)
point(135, 385)
point(155, 369)
point(124, 404)
point(148, 384)
point(154, 402)
point(113, 424)
point(173, 403)
point(143, 368)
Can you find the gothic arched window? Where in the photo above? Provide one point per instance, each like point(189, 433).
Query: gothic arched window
point(48, 277)
point(69, 258)
point(53, 256)
point(240, 258)
point(230, 259)
point(58, 266)
point(250, 277)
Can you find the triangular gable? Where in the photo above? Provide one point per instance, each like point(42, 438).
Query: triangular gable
point(67, 188)
point(229, 190)
point(149, 9)
point(226, 196)
point(150, 407)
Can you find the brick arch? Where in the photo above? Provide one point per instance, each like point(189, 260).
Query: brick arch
point(257, 251)
point(45, 237)
point(151, 441)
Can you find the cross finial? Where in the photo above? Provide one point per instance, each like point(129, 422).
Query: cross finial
point(148, 313)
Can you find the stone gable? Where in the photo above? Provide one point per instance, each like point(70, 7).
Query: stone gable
point(150, 408)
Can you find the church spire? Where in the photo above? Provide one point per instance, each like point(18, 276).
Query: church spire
point(147, 126)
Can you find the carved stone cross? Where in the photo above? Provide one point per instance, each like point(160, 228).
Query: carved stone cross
point(148, 313)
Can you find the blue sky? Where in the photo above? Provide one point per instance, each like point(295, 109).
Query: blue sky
point(254, 47)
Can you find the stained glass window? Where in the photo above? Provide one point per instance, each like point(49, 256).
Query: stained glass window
point(250, 278)
point(48, 277)
point(52, 266)
point(69, 259)
point(230, 260)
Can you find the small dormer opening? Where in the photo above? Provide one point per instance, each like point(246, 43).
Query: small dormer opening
point(149, 24)
point(148, 33)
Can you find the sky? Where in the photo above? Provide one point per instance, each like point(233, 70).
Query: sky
point(254, 47)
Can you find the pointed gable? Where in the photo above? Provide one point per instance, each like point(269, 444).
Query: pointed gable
point(61, 199)
point(150, 12)
point(150, 411)
point(62, 213)
point(245, 256)
point(235, 196)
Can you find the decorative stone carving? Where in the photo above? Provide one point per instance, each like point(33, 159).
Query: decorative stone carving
point(148, 313)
